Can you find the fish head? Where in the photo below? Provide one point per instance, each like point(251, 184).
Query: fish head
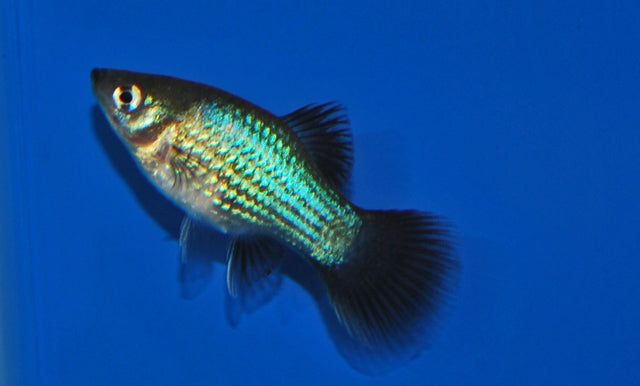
point(140, 107)
point(147, 112)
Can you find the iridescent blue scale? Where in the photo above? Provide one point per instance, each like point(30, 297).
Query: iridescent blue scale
point(266, 179)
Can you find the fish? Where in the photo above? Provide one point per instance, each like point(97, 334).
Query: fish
point(272, 182)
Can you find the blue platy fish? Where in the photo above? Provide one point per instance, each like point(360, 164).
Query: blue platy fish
point(269, 181)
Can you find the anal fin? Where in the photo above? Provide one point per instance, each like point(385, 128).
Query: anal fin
point(250, 259)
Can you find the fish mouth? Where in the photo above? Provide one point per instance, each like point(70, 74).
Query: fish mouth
point(100, 84)
point(103, 82)
point(97, 74)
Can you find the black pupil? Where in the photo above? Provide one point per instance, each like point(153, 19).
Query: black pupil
point(126, 97)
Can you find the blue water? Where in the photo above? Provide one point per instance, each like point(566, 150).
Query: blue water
point(518, 122)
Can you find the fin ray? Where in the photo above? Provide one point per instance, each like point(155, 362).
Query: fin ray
point(196, 267)
point(390, 287)
point(249, 260)
point(324, 131)
point(251, 298)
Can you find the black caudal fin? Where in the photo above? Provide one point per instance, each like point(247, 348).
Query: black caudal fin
point(394, 279)
point(324, 130)
point(250, 259)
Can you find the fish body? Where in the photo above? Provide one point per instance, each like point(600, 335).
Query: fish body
point(268, 180)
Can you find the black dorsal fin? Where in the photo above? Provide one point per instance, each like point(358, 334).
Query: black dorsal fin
point(324, 131)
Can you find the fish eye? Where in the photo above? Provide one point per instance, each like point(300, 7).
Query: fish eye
point(127, 99)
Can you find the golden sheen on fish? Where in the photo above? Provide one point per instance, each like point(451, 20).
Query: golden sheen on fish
point(270, 180)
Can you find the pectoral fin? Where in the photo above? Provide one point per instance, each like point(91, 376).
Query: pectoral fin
point(196, 265)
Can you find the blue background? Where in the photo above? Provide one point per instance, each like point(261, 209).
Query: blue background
point(520, 123)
